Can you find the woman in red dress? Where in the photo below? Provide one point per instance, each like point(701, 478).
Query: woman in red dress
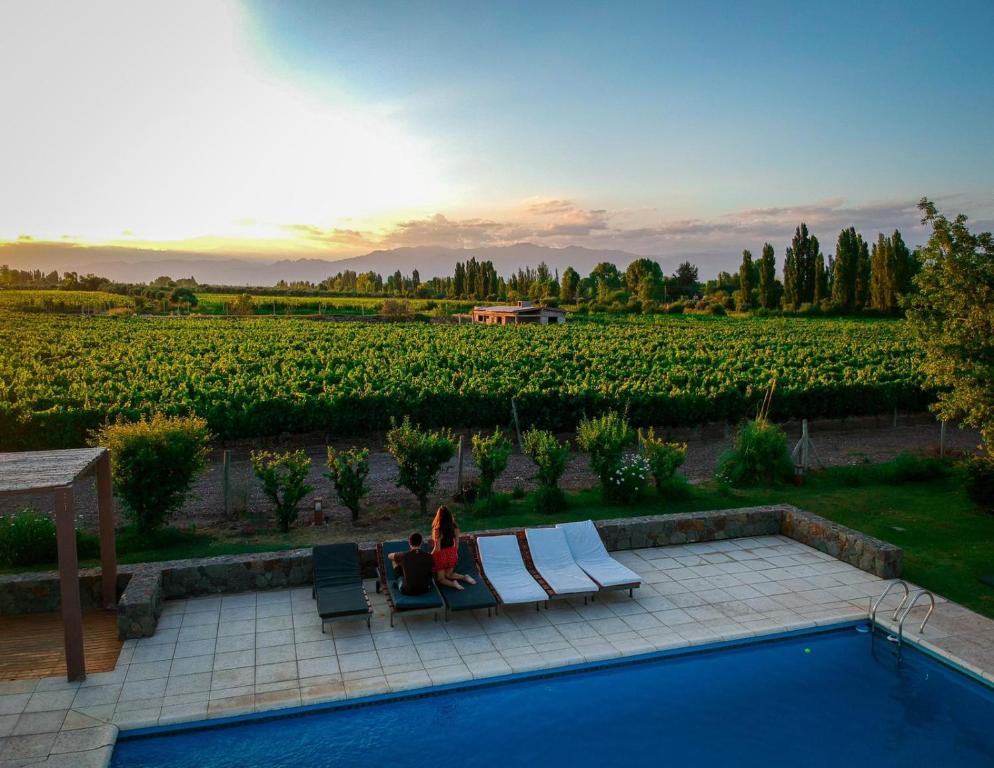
point(445, 550)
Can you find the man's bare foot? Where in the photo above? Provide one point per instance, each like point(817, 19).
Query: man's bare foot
point(457, 585)
point(469, 580)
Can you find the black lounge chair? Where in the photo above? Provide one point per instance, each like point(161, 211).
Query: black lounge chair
point(471, 596)
point(429, 602)
point(338, 584)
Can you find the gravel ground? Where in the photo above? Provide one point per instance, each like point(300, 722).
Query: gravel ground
point(836, 443)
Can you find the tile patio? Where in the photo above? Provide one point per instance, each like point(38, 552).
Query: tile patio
point(232, 654)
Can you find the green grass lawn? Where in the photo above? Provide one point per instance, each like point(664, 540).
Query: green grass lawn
point(948, 543)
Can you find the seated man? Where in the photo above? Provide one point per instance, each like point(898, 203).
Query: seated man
point(415, 566)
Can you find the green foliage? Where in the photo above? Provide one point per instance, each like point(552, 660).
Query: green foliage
point(154, 462)
point(628, 479)
point(551, 457)
point(768, 298)
point(664, 458)
point(800, 269)
point(892, 268)
point(743, 299)
point(953, 316)
point(283, 477)
point(912, 468)
point(760, 456)
point(27, 538)
point(605, 438)
point(491, 455)
point(62, 376)
point(348, 470)
point(420, 455)
point(980, 482)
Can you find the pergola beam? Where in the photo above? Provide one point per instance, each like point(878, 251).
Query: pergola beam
point(105, 514)
point(72, 612)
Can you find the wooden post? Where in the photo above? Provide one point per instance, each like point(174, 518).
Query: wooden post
point(517, 426)
point(895, 417)
point(72, 611)
point(459, 469)
point(942, 438)
point(805, 445)
point(226, 479)
point(108, 547)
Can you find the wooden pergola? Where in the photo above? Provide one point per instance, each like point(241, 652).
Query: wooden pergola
point(56, 471)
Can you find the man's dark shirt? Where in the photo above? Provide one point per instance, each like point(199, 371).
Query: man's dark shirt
point(416, 567)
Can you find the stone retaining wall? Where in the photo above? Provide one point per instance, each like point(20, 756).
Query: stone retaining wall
point(144, 587)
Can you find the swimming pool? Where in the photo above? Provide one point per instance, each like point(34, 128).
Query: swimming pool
point(814, 699)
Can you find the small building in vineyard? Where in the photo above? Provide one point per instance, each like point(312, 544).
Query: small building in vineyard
point(519, 314)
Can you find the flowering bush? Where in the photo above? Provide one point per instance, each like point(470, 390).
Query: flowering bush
point(628, 480)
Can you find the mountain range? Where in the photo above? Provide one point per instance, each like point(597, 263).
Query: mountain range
point(133, 265)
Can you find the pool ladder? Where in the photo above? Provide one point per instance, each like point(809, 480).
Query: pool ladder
point(911, 600)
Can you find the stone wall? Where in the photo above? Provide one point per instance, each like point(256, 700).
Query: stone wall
point(144, 587)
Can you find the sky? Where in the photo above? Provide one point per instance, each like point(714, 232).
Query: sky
point(329, 129)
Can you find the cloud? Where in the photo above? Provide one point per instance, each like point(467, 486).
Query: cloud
point(440, 230)
point(550, 207)
point(333, 236)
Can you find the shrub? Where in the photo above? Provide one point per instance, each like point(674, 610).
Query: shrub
point(760, 456)
point(605, 438)
point(551, 458)
point(716, 309)
point(27, 538)
point(420, 455)
point(491, 455)
point(911, 468)
point(396, 309)
point(627, 480)
point(348, 471)
point(154, 462)
point(283, 477)
point(980, 481)
point(242, 305)
point(664, 458)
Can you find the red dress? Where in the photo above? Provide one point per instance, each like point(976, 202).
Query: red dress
point(445, 559)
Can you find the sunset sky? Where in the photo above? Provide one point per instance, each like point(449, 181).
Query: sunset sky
point(332, 128)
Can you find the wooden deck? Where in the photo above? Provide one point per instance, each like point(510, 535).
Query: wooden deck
point(33, 645)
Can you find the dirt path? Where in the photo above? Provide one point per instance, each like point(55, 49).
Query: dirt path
point(836, 443)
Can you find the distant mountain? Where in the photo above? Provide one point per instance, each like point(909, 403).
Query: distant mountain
point(135, 265)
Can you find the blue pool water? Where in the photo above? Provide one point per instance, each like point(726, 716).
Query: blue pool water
point(801, 700)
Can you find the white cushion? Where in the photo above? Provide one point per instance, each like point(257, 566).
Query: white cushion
point(552, 558)
point(588, 551)
point(503, 566)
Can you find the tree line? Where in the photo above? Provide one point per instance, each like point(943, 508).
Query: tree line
point(857, 277)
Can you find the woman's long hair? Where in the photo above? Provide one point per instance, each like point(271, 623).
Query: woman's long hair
point(445, 525)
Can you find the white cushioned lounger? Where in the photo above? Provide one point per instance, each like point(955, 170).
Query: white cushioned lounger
point(553, 559)
point(590, 554)
point(505, 569)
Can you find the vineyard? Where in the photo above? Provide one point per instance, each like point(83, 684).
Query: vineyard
point(60, 376)
point(94, 302)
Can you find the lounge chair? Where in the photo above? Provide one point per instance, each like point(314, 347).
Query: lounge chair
point(471, 596)
point(590, 554)
point(506, 573)
point(552, 559)
point(338, 584)
point(429, 602)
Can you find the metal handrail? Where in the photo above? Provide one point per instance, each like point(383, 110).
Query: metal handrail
point(876, 605)
point(904, 616)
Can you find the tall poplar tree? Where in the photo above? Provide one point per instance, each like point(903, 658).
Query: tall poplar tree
point(846, 269)
point(743, 301)
point(800, 268)
point(767, 277)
